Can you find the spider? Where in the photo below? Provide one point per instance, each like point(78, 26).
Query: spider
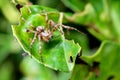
point(46, 33)
point(43, 33)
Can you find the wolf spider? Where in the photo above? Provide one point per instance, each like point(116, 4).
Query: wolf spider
point(46, 33)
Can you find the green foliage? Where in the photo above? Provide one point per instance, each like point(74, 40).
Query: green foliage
point(101, 17)
point(32, 70)
point(101, 66)
point(5, 7)
point(75, 5)
point(57, 59)
point(6, 71)
point(58, 51)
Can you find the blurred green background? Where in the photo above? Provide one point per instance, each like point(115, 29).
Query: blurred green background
point(13, 65)
point(98, 19)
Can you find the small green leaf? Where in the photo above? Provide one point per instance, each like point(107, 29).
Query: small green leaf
point(6, 71)
point(75, 5)
point(82, 39)
point(35, 71)
point(101, 17)
point(103, 65)
point(58, 53)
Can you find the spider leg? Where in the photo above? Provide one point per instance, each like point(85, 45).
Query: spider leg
point(33, 40)
point(39, 37)
point(30, 31)
point(51, 23)
point(40, 51)
point(46, 18)
point(56, 26)
point(71, 28)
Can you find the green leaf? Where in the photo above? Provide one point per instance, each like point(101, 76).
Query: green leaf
point(63, 76)
point(115, 16)
point(56, 53)
point(4, 5)
point(80, 72)
point(82, 39)
point(6, 71)
point(104, 64)
point(101, 17)
point(35, 71)
point(75, 5)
